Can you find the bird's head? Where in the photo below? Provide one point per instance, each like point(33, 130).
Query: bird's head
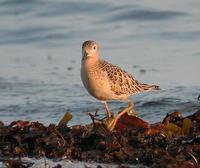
point(90, 50)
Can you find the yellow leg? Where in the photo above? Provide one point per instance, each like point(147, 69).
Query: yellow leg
point(132, 112)
point(108, 112)
point(112, 123)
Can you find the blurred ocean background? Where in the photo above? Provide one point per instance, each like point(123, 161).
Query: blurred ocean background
point(40, 53)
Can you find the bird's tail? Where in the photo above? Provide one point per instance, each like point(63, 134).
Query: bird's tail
point(147, 87)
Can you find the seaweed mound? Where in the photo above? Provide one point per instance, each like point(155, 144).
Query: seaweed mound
point(174, 142)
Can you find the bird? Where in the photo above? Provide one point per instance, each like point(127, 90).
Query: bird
point(106, 81)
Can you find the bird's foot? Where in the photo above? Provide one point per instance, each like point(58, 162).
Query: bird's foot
point(112, 121)
point(132, 113)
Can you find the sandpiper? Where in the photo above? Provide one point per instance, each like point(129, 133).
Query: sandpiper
point(106, 81)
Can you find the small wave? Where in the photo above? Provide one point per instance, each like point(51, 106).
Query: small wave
point(143, 15)
point(161, 101)
point(190, 35)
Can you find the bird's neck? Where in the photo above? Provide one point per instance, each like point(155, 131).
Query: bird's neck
point(90, 62)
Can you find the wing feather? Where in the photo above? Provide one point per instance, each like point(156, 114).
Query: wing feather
point(120, 81)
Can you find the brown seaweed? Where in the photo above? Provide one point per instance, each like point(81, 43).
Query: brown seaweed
point(173, 142)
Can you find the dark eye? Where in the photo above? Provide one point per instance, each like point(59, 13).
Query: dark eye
point(94, 48)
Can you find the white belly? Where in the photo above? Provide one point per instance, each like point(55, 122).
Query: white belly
point(97, 84)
